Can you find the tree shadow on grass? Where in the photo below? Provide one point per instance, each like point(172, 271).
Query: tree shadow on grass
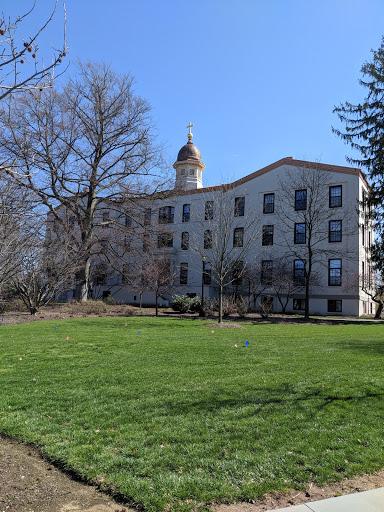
point(284, 395)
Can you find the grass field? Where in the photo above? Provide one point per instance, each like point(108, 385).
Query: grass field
point(168, 414)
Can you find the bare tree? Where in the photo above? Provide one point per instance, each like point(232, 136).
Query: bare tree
point(282, 283)
point(22, 68)
point(157, 276)
point(225, 239)
point(87, 152)
point(17, 221)
point(43, 270)
point(311, 224)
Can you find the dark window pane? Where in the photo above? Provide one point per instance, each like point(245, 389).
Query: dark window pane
point(207, 239)
point(266, 272)
point(183, 273)
point(237, 273)
point(300, 230)
point(335, 306)
point(207, 273)
point(334, 272)
point(166, 214)
point(186, 212)
point(185, 241)
point(299, 304)
point(267, 237)
point(209, 210)
point(164, 240)
point(335, 195)
point(238, 237)
point(239, 206)
point(147, 216)
point(269, 203)
point(299, 272)
point(301, 199)
point(334, 231)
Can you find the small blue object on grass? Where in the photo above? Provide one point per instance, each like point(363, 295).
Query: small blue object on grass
point(55, 327)
point(138, 332)
point(247, 342)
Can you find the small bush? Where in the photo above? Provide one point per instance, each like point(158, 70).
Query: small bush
point(242, 307)
point(110, 301)
point(195, 304)
point(229, 306)
point(181, 303)
point(15, 305)
point(89, 307)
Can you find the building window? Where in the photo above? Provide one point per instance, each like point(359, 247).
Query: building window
point(334, 234)
point(267, 237)
point(209, 210)
point(183, 273)
point(239, 206)
point(334, 272)
point(164, 240)
point(238, 237)
point(207, 239)
point(127, 242)
point(237, 273)
point(166, 215)
point(269, 203)
point(299, 272)
point(186, 212)
point(300, 233)
point(147, 216)
point(105, 219)
point(335, 306)
point(301, 199)
point(191, 172)
point(128, 221)
point(299, 304)
point(266, 272)
point(145, 243)
point(184, 241)
point(335, 196)
point(207, 273)
point(101, 275)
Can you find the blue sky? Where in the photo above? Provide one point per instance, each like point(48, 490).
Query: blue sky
point(257, 78)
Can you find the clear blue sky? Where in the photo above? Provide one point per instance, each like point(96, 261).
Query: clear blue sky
point(257, 78)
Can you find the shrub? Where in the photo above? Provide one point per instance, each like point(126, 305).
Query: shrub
point(181, 303)
point(242, 307)
point(110, 301)
point(15, 305)
point(89, 307)
point(195, 304)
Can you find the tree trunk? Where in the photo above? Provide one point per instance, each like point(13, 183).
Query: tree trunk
point(82, 278)
point(220, 304)
point(157, 305)
point(141, 299)
point(379, 310)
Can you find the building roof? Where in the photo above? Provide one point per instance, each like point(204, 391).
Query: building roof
point(289, 160)
point(189, 153)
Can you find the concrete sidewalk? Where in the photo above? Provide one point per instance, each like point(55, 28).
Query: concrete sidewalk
point(367, 501)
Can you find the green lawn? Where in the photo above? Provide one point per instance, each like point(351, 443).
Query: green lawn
point(178, 413)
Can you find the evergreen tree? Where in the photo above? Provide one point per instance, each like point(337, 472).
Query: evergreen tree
point(364, 131)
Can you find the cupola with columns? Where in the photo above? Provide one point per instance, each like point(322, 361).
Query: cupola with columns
point(189, 166)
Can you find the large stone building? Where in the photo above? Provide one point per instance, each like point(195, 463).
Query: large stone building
point(291, 214)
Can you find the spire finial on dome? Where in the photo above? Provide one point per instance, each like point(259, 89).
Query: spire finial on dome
point(190, 134)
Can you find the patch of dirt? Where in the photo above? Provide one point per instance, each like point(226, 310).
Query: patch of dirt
point(313, 493)
point(30, 484)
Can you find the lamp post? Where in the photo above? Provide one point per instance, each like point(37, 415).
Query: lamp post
point(202, 313)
